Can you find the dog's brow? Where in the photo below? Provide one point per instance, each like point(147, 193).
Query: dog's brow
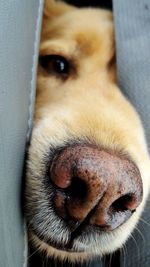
point(89, 42)
point(58, 47)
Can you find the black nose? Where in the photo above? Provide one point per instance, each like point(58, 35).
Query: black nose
point(95, 182)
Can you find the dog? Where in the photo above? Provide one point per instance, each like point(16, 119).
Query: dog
point(88, 165)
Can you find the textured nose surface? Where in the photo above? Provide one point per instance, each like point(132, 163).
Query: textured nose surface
point(93, 183)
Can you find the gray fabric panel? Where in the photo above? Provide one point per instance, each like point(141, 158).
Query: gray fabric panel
point(132, 19)
point(19, 27)
point(132, 26)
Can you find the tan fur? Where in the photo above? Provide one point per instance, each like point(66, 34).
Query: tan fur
point(87, 106)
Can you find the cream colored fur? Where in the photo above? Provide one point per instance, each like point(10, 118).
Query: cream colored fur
point(87, 106)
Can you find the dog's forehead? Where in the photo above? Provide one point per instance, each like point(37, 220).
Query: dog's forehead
point(88, 29)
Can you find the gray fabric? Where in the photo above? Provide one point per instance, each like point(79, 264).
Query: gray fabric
point(132, 26)
point(19, 35)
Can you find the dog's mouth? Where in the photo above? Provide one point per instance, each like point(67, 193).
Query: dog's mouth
point(71, 246)
point(77, 231)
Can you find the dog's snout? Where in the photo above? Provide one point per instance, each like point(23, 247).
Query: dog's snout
point(96, 185)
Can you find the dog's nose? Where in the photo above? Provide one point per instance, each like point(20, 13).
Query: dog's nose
point(94, 185)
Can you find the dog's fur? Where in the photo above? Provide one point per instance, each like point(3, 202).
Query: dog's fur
point(87, 107)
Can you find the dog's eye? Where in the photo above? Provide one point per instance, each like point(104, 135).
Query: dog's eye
point(55, 64)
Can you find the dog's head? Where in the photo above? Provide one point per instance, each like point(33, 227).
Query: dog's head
point(88, 165)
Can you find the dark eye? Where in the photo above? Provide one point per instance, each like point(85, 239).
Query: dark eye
point(55, 64)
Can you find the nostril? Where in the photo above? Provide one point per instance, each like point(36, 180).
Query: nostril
point(123, 203)
point(77, 189)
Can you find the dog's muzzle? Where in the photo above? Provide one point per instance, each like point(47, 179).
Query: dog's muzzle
point(94, 186)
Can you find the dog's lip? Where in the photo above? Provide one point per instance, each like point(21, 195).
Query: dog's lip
point(68, 247)
point(60, 246)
